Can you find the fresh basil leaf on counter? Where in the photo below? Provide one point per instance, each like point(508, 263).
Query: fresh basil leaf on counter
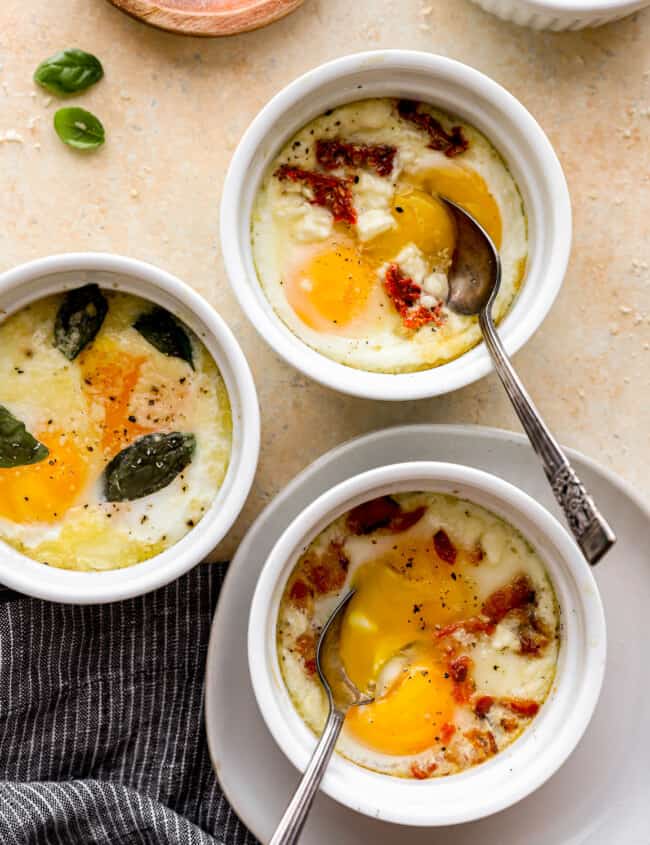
point(79, 318)
point(69, 72)
point(163, 331)
point(79, 128)
point(17, 446)
point(147, 465)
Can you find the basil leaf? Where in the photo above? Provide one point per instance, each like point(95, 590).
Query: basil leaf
point(79, 318)
point(79, 128)
point(147, 465)
point(163, 331)
point(17, 446)
point(68, 72)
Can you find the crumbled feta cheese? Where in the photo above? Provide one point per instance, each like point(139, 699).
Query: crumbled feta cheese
point(437, 285)
point(315, 224)
point(11, 136)
point(373, 194)
point(413, 263)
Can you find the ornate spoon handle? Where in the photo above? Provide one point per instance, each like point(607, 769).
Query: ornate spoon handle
point(295, 816)
point(587, 524)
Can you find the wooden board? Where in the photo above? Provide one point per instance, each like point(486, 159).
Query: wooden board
point(207, 17)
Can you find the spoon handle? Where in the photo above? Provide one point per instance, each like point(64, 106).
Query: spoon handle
point(587, 524)
point(293, 820)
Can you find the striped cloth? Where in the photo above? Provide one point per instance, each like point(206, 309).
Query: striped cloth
point(101, 724)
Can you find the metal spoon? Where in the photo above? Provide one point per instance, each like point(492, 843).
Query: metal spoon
point(342, 694)
point(474, 280)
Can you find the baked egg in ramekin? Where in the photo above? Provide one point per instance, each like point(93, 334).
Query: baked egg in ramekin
point(129, 428)
point(477, 624)
point(338, 247)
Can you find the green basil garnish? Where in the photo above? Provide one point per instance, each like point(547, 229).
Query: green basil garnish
point(163, 331)
point(79, 128)
point(17, 446)
point(79, 318)
point(68, 72)
point(147, 465)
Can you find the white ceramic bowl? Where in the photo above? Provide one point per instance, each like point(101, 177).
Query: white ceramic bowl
point(543, 747)
point(46, 276)
point(559, 15)
point(453, 87)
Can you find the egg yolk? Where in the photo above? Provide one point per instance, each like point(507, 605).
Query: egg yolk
point(468, 189)
point(43, 492)
point(409, 717)
point(402, 596)
point(333, 288)
point(110, 376)
point(420, 219)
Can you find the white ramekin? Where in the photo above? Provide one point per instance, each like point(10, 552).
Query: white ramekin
point(559, 15)
point(45, 276)
point(453, 87)
point(543, 747)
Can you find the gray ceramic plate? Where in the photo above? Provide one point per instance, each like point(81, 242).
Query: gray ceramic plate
point(599, 797)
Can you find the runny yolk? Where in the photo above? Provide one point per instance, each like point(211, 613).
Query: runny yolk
point(421, 219)
point(332, 288)
point(408, 719)
point(109, 378)
point(43, 492)
point(402, 596)
point(468, 189)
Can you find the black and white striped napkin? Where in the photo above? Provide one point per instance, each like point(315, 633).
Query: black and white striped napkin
point(101, 723)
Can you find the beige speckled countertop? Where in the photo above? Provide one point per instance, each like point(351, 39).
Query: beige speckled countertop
point(175, 107)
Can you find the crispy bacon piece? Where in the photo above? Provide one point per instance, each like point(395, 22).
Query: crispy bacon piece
point(521, 706)
point(406, 519)
point(483, 742)
point(326, 571)
point(476, 555)
point(473, 625)
point(439, 139)
point(334, 153)
point(377, 513)
point(513, 596)
point(306, 647)
point(463, 684)
point(445, 549)
point(405, 295)
point(509, 725)
point(483, 706)
point(446, 732)
point(300, 593)
point(423, 771)
point(329, 191)
point(531, 641)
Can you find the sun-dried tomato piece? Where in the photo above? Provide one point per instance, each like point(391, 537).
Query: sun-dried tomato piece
point(405, 295)
point(330, 192)
point(406, 519)
point(422, 771)
point(473, 625)
point(521, 706)
point(451, 144)
point(483, 706)
point(445, 549)
point(334, 153)
point(483, 742)
point(513, 596)
point(369, 516)
point(300, 593)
